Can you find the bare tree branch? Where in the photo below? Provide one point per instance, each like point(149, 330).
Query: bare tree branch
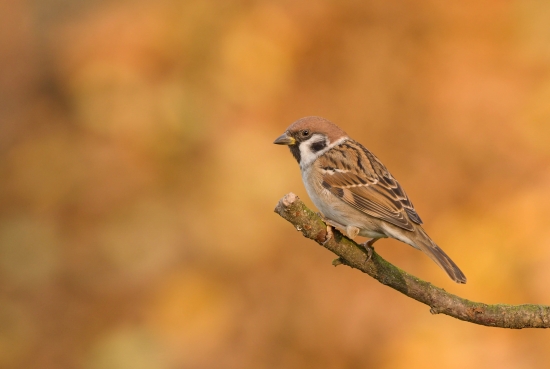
point(291, 208)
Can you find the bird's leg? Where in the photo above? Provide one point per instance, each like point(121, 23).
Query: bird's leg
point(329, 235)
point(330, 224)
point(367, 246)
point(352, 232)
point(349, 231)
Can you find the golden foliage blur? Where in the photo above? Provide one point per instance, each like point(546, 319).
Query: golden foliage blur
point(138, 178)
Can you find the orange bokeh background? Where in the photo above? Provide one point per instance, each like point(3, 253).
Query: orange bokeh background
point(138, 180)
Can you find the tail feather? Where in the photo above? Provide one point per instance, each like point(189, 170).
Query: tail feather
point(426, 245)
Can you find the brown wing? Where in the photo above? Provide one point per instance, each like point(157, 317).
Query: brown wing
point(355, 175)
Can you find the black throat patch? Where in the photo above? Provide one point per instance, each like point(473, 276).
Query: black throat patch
point(295, 150)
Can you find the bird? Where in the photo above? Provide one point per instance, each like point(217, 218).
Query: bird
point(354, 192)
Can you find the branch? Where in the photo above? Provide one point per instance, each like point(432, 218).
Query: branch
point(291, 208)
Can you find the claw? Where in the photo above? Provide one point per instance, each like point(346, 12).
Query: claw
point(329, 235)
point(369, 249)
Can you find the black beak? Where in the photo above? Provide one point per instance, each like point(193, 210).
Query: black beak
point(284, 139)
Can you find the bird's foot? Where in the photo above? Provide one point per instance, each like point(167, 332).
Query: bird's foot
point(329, 235)
point(330, 224)
point(369, 249)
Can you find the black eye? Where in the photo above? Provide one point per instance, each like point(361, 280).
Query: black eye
point(305, 133)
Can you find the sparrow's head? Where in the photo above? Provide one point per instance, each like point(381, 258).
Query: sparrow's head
point(310, 137)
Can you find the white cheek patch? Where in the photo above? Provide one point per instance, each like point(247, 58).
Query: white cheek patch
point(307, 154)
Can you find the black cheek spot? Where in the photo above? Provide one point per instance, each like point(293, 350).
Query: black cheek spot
point(318, 146)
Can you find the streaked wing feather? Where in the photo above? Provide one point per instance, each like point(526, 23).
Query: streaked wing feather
point(367, 186)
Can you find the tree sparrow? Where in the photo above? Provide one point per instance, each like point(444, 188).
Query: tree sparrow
point(355, 192)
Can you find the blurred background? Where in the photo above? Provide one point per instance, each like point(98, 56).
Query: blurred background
point(138, 180)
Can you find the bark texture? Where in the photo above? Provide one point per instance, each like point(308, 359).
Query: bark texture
point(291, 208)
